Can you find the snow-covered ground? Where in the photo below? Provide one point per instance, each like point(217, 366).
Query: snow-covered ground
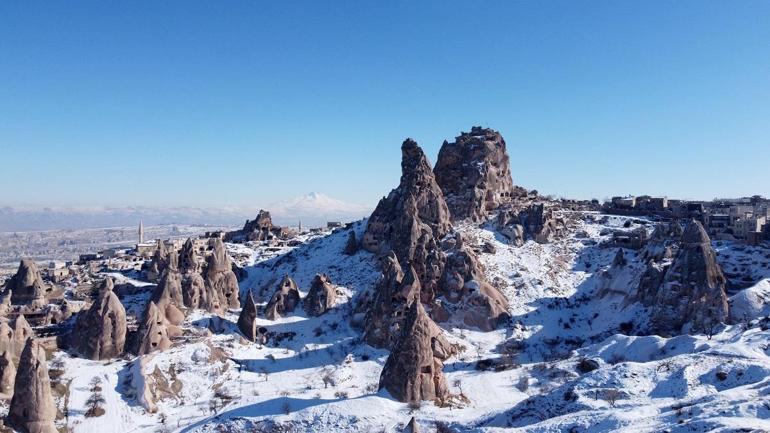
point(315, 375)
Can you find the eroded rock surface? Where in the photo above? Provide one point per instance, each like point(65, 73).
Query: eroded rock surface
point(285, 299)
point(32, 408)
point(100, 332)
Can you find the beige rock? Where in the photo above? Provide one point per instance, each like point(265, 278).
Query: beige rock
point(413, 371)
point(32, 408)
point(26, 287)
point(221, 282)
point(100, 332)
point(155, 333)
point(322, 296)
point(247, 321)
point(284, 300)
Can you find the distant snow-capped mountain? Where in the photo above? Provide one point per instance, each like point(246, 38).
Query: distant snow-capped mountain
point(311, 209)
point(316, 209)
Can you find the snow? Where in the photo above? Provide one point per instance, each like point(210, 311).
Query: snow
point(320, 377)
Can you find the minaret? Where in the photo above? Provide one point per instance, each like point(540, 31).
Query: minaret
point(300, 226)
point(141, 232)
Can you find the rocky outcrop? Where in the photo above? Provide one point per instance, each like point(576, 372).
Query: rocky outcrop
point(221, 283)
point(474, 174)
point(322, 296)
point(413, 371)
point(463, 284)
point(7, 375)
point(155, 332)
point(693, 289)
point(413, 222)
point(284, 300)
point(168, 293)
point(351, 246)
point(394, 294)
point(100, 332)
point(26, 287)
point(414, 209)
point(260, 228)
point(160, 260)
point(412, 427)
point(247, 321)
point(13, 337)
point(535, 221)
point(32, 408)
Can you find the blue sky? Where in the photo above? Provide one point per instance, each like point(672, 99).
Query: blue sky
point(240, 102)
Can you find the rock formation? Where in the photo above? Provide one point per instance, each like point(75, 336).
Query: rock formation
point(260, 228)
point(247, 319)
point(322, 296)
point(159, 261)
point(284, 300)
point(168, 295)
point(413, 371)
point(26, 287)
point(474, 174)
point(463, 283)
point(221, 283)
point(693, 289)
point(155, 332)
point(536, 221)
point(415, 208)
point(14, 337)
point(32, 408)
point(351, 246)
point(7, 375)
point(100, 332)
point(413, 222)
point(412, 427)
point(394, 294)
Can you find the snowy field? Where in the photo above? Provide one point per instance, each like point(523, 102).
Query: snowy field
point(315, 375)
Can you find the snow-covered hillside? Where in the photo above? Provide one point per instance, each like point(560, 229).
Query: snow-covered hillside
point(570, 360)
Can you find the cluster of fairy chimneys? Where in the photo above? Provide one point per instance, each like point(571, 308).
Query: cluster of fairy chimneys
point(321, 298)
point(430, 271)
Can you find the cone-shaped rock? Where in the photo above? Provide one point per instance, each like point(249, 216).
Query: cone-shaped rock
point(322, 296)
point(351, 246)
point(160, 261)
point(100, 332)
point(221, 282)
point(7, 375)
point(417, 206)
point(247, 319)
point(413, 371)
point(412, 427)
point(188, 258)
point(155, 333)
point(26, 286)
point(32, 407)
point(168, 295)
point(284, 300)
point(693, 290)
point(395, 292)
point(474, 174)
point(21, 331)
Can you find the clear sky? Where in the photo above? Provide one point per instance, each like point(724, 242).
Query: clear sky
point(238, 102)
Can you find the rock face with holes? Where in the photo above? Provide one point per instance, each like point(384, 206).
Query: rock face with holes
point(394, 294)
point(13, 337)
point(535, 221)
point(155, 332)
point(100, 332)
point(32, 408)
point(474, 174)
point(413, 371)
point(413, 222)
point(260, 228)
point(351, 246)
point(322, 296)
point(413, 210)
point(26, 287)
point(285, 299)
point(693, 290)
point(472, 300)
point(221, 283)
